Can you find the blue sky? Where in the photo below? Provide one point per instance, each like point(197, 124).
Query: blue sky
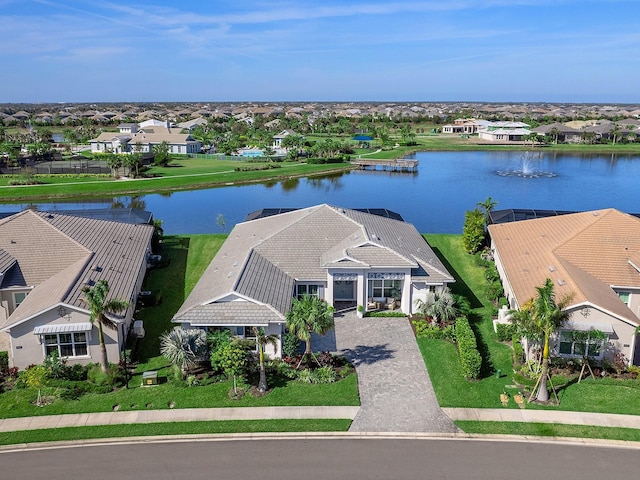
point(329, 50)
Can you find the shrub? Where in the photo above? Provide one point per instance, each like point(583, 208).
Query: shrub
point(324, 374)
point(4, 362)
point(281, 369)
point(113, 377)
point(290, 344)
point(505, 331)
point(518, 351)
point(385, 314)
point(470, 359)
point(305, 376)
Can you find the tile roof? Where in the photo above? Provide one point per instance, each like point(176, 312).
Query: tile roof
point(61, 254)
point(231, 313)
point(583, 253)
point(262, 258)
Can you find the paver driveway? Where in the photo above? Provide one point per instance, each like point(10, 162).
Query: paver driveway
point(396, 394)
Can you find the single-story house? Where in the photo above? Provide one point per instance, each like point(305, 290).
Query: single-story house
point(277, 139)
point(347, 257)
point(46, 261)
point(593, 257)
point(564, 133)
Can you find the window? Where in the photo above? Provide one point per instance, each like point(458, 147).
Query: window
point(572, 347)
point(307, 290)
point(66, 344)
point(379, 288)
point(19, 297)
point(624, 296)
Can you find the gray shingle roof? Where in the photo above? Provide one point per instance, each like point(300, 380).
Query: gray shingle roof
point(262, 258)
point(231, 313)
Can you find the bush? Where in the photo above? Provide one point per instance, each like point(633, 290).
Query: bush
point(425, 329)
point(321, 161)
point(290, 344)
point(113, 377)
point(324, 374)
point(4, 362)
point(305, 376)
point(518, 351)
point(470, 359)
point(505, 331)
point(281, 369)
point(385, 314)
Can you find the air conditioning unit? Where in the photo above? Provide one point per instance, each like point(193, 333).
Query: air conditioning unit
point(138, 329)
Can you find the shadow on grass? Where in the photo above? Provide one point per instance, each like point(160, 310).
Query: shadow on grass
point(367, 355)
point(460, 287)
point(169, 283)
point(487, 369)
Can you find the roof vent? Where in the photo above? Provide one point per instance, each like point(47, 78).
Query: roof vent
point(552, 268)
point(98, 269)
point(595, 214)
point(561, 282)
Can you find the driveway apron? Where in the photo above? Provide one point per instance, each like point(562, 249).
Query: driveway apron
point(396, 394)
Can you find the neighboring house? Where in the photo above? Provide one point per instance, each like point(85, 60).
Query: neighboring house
point(564, 133)
point(346, 257)
point(467, 126)
point(192, 124)
point(592, 256)
point(133, 138)
point(46, 261)
point(277, 139)
point(504, 131)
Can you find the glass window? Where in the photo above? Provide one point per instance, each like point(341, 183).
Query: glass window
point(571, 347)
point(624, 296)
point(379, 288)
point(66, 344)
point(304, 289)
point(19, 297)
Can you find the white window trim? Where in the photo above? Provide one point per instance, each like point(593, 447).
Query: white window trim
point(87, 342)
point(577, 355)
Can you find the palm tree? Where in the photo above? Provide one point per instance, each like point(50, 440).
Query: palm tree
point(183, 347)
point(539, 319)
point(439, 305)
point(309, 314)
point(487, 205)
point(262, 340)
point(99, 308)
point(554, 134)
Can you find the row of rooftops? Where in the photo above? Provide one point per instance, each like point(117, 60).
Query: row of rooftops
point(105, 112)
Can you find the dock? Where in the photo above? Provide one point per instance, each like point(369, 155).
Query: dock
point(399, 165)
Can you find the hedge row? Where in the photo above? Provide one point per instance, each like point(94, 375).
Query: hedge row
point(315, 160)
point(470, 359)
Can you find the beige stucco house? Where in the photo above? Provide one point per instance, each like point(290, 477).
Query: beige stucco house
point(46, 260)
point(592, 256)
point(143, 137)
point(347, 257)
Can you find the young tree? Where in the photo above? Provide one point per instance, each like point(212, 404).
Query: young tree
point(487, 206)
point(262, 340)
point(540, 318)
point(309, 314)
point(161, 154)
point(99, 308)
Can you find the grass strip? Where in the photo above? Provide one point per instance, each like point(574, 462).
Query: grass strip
point(550, 430)
point(174, 428)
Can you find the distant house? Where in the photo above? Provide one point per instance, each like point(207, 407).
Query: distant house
point(592, 256)
point(504, 132)
point(564, 133)
point(277, 139)
point(143, 137)
point(346, 257)
point(467, 126)
point(46, 260)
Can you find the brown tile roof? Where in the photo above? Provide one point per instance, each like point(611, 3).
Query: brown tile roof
point(583, 253)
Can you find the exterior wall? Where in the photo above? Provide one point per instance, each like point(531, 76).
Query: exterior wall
point(27, 349)
point(634, 298)
point(619, 341)
point(506, 285)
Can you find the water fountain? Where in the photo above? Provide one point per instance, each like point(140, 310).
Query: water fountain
point(526, 169)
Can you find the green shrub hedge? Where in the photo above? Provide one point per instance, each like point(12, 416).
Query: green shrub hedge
point(470, 359)
point(4, 361)
point(505, 331)
point(319, 161)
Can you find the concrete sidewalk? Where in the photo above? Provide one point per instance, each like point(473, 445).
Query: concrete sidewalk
point(174, 415)
point(543, 416)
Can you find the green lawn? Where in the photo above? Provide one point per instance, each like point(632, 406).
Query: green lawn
point(189, 256)
point(550, 430)
point(174, 428)
point(452, 390)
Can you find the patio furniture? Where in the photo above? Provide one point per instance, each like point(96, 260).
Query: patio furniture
point(391, 303)
point(372, 305)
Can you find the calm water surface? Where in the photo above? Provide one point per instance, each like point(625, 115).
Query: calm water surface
point(434, 199)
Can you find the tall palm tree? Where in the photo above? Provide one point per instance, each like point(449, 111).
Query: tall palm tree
point(262, 340)
point(539, 319)
point(309, 314)
point(99, 307)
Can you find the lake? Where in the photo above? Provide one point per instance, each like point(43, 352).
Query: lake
point(434, 199)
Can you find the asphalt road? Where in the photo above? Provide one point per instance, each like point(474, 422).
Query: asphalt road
point(318, 459)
